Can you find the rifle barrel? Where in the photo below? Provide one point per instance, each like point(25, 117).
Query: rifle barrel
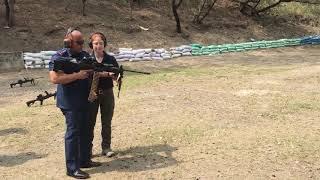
point(140, 72)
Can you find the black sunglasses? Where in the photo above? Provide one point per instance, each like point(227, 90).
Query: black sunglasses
point(80, 42)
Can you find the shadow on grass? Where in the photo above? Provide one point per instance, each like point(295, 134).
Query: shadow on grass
point(21, 158)
point(139, 159)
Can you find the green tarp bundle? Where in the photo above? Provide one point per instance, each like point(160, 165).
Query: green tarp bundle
point(198, 49)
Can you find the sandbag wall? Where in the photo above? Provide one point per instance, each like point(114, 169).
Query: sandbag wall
point(38, 60)
point(42, 59)
point(310, 40)
point(198, 49)
point(128, 54)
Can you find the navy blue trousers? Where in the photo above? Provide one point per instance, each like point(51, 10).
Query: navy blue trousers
point(77, 142)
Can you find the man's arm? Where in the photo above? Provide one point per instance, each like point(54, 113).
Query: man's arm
point(62, 78)
point(59, 77)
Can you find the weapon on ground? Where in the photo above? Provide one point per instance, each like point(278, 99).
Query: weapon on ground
point(41, 98)
point(68, 65)
point(22, 81)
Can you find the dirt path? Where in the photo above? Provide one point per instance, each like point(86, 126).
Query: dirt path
point(244, 115)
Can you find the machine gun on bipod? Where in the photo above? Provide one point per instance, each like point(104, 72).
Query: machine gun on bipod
point(22, 81)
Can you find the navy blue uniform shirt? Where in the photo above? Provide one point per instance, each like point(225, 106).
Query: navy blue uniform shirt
point(75, 94)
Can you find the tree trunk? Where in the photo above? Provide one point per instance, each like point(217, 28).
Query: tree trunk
point(10, 12)
point(131, 9)
point(204, 11)
point(176, 15)
point(7, 11)
point(83, 7)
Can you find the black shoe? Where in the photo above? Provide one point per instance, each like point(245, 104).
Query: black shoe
point(78, 174)
point(90, 164)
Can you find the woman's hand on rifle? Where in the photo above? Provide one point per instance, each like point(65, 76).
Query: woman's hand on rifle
point(106, 74)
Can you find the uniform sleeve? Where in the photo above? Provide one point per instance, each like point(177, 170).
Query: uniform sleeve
point(53, 58)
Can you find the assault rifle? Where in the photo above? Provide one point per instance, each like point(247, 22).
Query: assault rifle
point(69, 65)
point(22, 81)
point(41, 98)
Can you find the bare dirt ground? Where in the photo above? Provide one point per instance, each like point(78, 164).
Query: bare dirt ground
point(248, 115)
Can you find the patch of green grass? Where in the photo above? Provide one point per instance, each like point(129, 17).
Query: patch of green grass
point(294, 104)
point(171, 74)
point(304, 106)
point(304, 10)
point(296, 146)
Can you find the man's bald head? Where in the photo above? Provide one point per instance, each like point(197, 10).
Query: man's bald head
point(76, 34)
point(76, 40)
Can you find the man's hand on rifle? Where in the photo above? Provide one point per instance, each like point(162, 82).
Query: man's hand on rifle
point(83, 74)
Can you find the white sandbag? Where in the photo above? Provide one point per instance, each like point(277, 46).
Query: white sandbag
point(28, 63)
point(147, 55)
point(179, 49)
point(176, 52)
point(29, 66)
point(47, 61)
point(39, 62)
point(157, 58)
point(146, 58)
point(139, 55)
point(165, 54)
point(147, 50)
point(166, 57)
point(121, 56)
point(38, 66)
point(111, 54)
point(122, 59)
point(175, 55)
point(27, 53)
point(46, 57)
point(154, 54)
point(28, 58)
point(46, 66)
point(35, 55)
point(159, 51)
point(48, 53)
point(138, 51)
point(136, 59)
point(125, 49)
point(125, 52)
point(187, 54)
point(186, 50)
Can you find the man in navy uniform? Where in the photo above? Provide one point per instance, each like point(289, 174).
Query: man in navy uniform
point(72, 99)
